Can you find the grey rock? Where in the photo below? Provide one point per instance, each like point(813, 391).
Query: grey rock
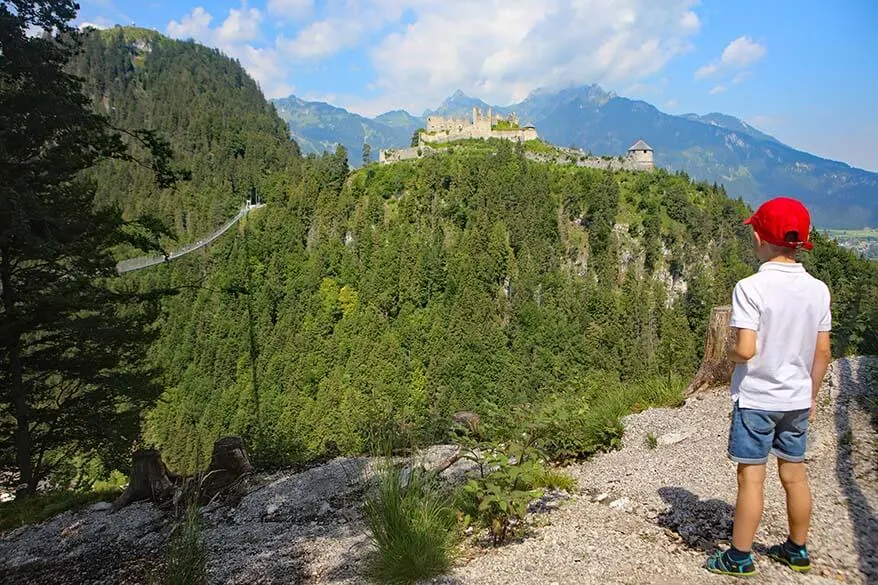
point(674, 437)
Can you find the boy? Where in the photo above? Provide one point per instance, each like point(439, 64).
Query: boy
point(781, 319)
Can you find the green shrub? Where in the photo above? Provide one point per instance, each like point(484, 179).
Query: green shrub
point(413, 527)
point(37, 508)
point(651, 441)
point(579, 424)
point(509, 482)
point(187, 554)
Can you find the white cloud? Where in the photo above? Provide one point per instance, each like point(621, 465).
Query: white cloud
point(671, 104)
point(99, 23)
point(501, 50)
point(241, 25)
point(344, 27)
point(322, 38)
point(498, 50)
point(742, 52)
point(706, 71)
point(232, 37)
point(292, 9)
point(195, 25)
point(690, 21)
point(736, 57)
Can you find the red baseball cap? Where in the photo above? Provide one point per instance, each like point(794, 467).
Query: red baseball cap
point(783, 221)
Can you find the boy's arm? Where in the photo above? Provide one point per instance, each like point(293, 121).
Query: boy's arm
point(743, 346)
point(744, 320)
point(822, 357)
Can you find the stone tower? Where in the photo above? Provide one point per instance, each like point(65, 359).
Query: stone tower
point(641, 153)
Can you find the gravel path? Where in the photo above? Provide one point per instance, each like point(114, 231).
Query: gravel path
point(662, 509)
point(642, 516)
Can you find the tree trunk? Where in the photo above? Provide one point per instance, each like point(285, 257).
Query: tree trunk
point(716, 369)
point(228, 462)
point(149, 480)
point(27, 479)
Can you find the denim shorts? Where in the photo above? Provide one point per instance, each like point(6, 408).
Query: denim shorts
point(756, 433)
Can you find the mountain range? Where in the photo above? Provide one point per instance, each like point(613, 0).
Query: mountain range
point(714, 147)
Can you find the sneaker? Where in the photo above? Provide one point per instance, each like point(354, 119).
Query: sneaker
point(796, 560)
point(721, 564)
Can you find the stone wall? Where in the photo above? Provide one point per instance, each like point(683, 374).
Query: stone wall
point(390, 155)
point(562, 156)
point(473, 132)
point(569, 156)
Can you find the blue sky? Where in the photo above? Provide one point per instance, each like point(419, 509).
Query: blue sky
point(803, 71)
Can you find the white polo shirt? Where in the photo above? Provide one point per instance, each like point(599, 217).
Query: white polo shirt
point(786, 307)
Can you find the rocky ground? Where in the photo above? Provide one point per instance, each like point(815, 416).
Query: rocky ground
point(642, 515)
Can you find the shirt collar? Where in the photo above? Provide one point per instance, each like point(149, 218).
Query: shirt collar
point(782, 267)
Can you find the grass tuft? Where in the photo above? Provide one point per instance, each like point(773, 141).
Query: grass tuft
point(413, 528)
point(187, 554)
point(554, 479)
point(651, 441)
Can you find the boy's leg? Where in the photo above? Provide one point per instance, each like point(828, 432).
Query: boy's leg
point(790, 443)
point(750, 437)
point(748, 509)
point(794, 479)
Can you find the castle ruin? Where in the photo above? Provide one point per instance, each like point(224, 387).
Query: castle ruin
point(442, 129)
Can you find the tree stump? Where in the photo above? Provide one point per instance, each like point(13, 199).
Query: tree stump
point(716, 369)
point(149, 480)
point(228, 462)
point(467, 423)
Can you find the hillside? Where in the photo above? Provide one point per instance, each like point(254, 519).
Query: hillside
point(376, 305)
point(216, 119)
point(391, 299)
point(714, 147)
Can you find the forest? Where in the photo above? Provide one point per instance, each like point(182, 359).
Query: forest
point(355, 308)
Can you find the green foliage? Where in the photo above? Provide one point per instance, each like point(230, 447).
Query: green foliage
point(34, 509)
point(651, 441)
point(554, 479)
point(586, 420)
point(853, 283)
point(413, 527)
point(396, 296)
point(505, 125)
point(416, 137)
point(72, 375)
point(187, 553)
point(509, 481)
point(213, 115)
point(384, 301)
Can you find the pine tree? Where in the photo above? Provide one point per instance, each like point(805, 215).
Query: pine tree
point(367, 154)
point(70, 345)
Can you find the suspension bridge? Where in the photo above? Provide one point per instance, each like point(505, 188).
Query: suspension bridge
point(147, 261)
